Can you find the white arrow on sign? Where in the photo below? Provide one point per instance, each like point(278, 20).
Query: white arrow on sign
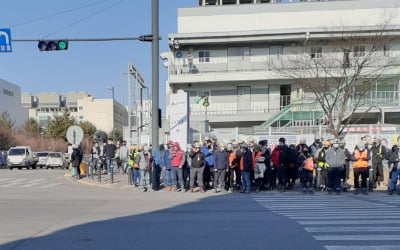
point(74, 135)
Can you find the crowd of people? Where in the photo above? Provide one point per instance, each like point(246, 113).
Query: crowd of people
point(249, 166)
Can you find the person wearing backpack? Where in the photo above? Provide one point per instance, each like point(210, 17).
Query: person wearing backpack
point(306, 163)
point(258, 166)
point(335, 157)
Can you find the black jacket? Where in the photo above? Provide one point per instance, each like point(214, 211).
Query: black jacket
point(198, 160)
point(76, 157)
point(248, 161)
point(109, 150)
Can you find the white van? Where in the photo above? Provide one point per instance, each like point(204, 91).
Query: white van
point(21, 157)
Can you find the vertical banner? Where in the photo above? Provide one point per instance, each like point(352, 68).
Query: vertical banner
point(179, 118)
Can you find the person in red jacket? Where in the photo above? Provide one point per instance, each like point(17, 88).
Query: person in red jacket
point(177, 162)
point(275, 165)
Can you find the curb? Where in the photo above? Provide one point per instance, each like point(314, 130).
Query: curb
point(88, 183)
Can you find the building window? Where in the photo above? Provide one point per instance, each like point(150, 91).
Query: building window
point(80, 107)
point(204, 56)
point(359, 50)
point(276, 51)
point(80, 117)
point(316, 52)
point(8, 92)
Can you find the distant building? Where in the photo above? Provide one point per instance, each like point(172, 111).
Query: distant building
point(226, 50)
point(10, 101)
point(103, 113)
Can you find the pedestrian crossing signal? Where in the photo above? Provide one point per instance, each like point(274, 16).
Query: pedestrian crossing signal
point(49, 45)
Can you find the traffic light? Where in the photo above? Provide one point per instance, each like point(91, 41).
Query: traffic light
point(48, 45)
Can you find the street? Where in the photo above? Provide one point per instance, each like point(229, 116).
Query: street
point(42, 209)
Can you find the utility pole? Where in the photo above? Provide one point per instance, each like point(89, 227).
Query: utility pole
point(155, 74)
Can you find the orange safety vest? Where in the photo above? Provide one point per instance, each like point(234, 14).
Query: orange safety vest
point(361, 161)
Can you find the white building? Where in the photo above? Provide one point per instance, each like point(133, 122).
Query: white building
point(10, 102)
point(226, 50)
point(103, 113)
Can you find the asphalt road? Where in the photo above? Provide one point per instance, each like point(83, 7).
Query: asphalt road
point(42, 209)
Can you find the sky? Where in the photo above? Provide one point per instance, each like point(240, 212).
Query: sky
point(85, 66)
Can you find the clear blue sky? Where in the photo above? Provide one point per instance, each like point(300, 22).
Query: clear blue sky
point(89, 66)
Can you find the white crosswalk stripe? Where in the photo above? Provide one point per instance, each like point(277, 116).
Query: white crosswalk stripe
point(27, 183)
point(342, 222)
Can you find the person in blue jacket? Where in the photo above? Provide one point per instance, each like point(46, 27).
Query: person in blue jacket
point(208, 151)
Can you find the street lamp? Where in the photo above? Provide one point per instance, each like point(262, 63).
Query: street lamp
point(113, 129)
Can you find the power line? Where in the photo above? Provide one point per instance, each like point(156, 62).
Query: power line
point(57, 14)
point(84, 18)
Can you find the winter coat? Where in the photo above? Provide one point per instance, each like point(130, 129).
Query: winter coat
point(177, 158)
point(141, 161)
point(220, 159)
point(335, 158)
point(76, 157)
point(378, 154)
point(95, 152)
point(247, 161)
point(110, 150)
point(258, 165)
point(197, 159)
point(283, 155)
point(275, 156)
point(208, 155)
point(123, 153)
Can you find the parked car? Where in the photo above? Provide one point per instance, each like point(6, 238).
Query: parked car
point(21, 157)
point(42, 159)
point(55, 159)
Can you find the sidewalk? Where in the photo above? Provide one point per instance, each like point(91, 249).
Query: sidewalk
point(120, 180)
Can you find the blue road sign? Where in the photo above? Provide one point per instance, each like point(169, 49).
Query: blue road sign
point(5, 40)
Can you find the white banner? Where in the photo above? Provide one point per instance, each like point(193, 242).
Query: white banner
point(179, 118)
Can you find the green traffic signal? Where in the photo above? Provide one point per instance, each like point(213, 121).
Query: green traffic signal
point(62, 45)
point(50, 45)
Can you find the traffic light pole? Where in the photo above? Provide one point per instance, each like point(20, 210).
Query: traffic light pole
point(155, 75)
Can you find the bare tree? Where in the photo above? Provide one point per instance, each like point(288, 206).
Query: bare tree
point(340, 70)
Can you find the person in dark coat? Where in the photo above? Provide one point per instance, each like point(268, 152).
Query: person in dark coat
point(246, 166)
point(76, 159)
point(283, 163)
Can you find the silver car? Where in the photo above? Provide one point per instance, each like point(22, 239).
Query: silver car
point(55, 160)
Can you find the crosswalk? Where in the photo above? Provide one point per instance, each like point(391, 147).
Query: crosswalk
point(27, 183)
point(342, 222)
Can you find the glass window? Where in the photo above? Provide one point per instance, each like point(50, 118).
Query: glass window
point(276, 51)
point(316, 52)
point(359, 50)
point(204, 56)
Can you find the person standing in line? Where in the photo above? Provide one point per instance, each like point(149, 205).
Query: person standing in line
point(177, 161)
point(207, 151)
point(186, 166)
point(238, 171)
point(306, 166)
point(394, 170)
point(110, 153)
point(123, 155)
point(159, 161)
point(197, 168)
point(76, 159)
point(231, 164)
point(258, 166)
point(167, 169)
point(335, 157)
point(360, 157)
point(143, 168)
point(246, 165)
point(95, 152)
point(283, 162)
point(220, 167)
point(323, 165)
point(378, 154)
